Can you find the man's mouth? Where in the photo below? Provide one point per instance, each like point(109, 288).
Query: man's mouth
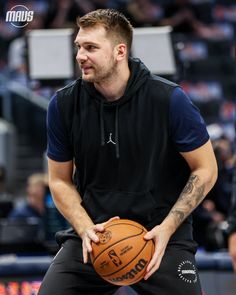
point(86, 69)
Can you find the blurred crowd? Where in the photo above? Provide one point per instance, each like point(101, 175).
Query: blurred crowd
point(204, 19)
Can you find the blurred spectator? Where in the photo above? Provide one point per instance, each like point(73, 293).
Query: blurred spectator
point(208, 224)
point(63, 13)
point(210, 217)
point(225, 12)
point(194, 19)
point(182, 16)
point(33, 204)
point(144, 12)
point(222, 191)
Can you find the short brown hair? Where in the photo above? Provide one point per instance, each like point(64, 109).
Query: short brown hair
point(114, 22)
point(38, 178)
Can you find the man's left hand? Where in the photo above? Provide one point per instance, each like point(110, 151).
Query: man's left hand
point(160, 236)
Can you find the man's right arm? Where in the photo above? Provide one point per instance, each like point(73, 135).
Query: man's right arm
point(68, 202)
point(65, 195)
point(60, 170)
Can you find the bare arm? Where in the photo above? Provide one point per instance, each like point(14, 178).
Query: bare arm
point(65, 195)
point(203, 167)
point(68, 202)
point(203, 176)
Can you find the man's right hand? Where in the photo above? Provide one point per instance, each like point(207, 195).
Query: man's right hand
point(89, 235)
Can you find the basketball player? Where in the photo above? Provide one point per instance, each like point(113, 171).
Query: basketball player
point(140, 151)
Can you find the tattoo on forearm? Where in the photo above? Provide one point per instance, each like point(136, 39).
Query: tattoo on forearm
point(190, 184)
point(179, 215)
point(191, 196)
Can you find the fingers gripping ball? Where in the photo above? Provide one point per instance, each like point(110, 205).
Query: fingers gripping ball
point(121, 256)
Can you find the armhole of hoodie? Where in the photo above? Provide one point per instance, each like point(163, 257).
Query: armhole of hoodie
point(66, 98)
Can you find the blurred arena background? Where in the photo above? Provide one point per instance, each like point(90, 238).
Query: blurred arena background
point(192, 42)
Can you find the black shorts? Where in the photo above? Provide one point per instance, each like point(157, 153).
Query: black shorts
point(68, 275)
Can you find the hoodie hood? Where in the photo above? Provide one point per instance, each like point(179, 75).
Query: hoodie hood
point(138, 76)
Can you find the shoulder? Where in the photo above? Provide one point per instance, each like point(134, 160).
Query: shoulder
point(179, 97)
point(66, 98)
point(67, 95)
point(182, 106)
point(69, 88)
point(162, 81)
point(188, 129)
point(161, 86)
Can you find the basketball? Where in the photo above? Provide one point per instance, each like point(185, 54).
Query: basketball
point(122, 254)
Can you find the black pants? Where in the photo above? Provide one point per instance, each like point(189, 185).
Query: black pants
point(68, 275)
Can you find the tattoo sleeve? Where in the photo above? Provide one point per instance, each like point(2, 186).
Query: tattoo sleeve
point(189, 199)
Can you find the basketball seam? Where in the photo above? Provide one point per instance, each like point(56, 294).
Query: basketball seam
point(123, 223)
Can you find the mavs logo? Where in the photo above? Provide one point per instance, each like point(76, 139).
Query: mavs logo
point(19, 16)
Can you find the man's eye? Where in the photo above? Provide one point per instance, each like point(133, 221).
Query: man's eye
point(91, 47)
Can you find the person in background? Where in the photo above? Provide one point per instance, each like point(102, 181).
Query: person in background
point(143, 12)
point(211, 216)
point(33, 204)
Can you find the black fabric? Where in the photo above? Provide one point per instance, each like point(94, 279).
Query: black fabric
point(137, 172)
point(68, 275)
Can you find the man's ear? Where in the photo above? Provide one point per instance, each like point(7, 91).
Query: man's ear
point(121, 50)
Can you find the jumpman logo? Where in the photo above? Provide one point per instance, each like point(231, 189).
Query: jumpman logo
point(110, 140)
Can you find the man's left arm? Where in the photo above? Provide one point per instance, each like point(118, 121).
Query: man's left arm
point(203, 176)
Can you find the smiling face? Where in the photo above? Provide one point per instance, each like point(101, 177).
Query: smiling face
point(97, 54)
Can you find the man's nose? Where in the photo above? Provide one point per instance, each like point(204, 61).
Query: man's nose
point(81, 55)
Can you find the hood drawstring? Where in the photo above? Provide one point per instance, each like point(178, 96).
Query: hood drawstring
point(102, 124)
point(116, 128)
point(117, 132)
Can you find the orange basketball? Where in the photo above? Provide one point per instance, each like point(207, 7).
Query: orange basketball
point(122, 254)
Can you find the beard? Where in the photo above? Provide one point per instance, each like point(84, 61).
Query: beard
point(101, 74)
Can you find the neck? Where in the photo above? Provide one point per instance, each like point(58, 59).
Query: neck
point(114, 88)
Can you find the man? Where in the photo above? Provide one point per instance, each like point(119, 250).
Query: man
point(140, 150)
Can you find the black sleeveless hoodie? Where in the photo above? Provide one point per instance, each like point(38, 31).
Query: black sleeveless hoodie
point(126, 161)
